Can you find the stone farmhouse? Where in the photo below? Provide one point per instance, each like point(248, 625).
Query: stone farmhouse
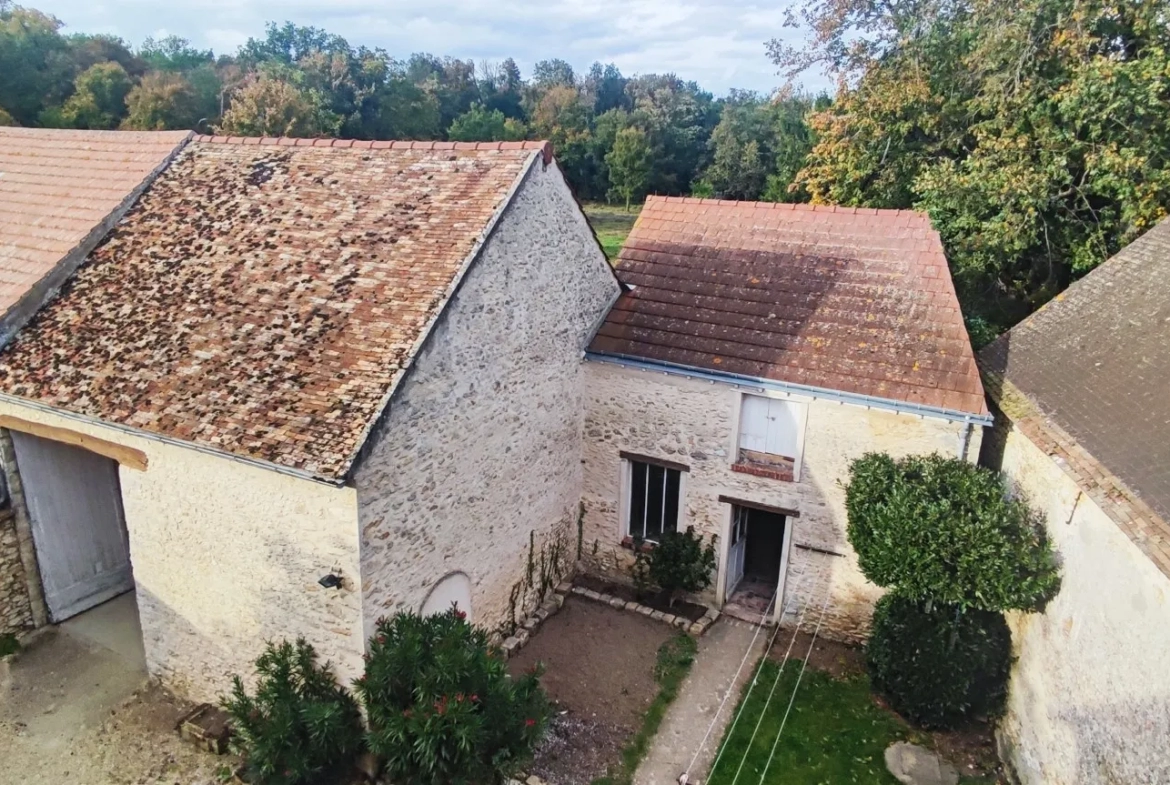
point(299, 385)
point(302, 385)
point(758, 349)
point(1081, 391)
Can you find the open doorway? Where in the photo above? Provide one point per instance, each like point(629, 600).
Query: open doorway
point(755, 563)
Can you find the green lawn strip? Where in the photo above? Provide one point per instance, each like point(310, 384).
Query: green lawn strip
point(611, 224)
point(675, 658)
point(834, 734)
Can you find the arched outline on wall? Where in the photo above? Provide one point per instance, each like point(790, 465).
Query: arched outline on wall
point(447, 579)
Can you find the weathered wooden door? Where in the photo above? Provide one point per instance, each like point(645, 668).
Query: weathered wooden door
point(75, 503)
point(735, 553)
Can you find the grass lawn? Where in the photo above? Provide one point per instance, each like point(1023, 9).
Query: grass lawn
point(612, 223)
point(835, 733)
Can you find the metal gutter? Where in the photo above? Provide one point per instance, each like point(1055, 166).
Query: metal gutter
point(754, 382)
point(138, 432)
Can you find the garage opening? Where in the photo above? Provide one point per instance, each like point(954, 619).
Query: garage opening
point(74, 502)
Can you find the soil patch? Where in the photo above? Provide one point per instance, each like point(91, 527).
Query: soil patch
point(599, 671)
point(971, 750)
point(656, 600)
point(839, 660)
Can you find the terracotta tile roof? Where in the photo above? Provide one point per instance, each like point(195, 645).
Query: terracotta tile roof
point(848, 299)
point(1093, 367)
point(57, 186)
point(263, 298)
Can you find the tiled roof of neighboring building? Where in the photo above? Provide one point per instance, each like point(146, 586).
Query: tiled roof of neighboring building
point(849, 299)
point(263, 297)
point(57, 187)
point(1094, 365)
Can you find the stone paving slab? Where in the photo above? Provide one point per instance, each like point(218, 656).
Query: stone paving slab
point(719, 656)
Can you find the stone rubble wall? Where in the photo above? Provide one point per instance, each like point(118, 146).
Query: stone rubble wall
point(695, 423)
point(477, 466)
point(15, 608)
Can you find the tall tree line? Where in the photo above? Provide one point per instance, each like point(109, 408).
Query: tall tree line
point(674, 136)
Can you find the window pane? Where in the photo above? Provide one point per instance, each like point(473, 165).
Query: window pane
point(670, 511)
point(637, 498)
point(654, 501)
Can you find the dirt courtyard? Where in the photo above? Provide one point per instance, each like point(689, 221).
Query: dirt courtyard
point(599, 671)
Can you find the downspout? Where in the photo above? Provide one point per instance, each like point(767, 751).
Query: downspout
point(965, 441)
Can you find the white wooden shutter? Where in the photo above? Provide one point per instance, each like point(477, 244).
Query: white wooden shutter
point(753, 424)
point(783, 428)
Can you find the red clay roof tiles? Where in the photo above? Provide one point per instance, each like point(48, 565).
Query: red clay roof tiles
point(57, 186)
point(846, 299)
point(264, 299)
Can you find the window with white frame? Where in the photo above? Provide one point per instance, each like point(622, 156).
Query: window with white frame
point(770, 435)
point(653, 501)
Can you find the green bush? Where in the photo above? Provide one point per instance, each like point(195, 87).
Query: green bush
point(942, 529)
point(679, 562)
point(300, 726)
point(441, 706)
point(939, 667)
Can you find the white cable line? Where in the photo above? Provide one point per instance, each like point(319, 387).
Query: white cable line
point(743, 703)
point(799, 676)
point(772, 692)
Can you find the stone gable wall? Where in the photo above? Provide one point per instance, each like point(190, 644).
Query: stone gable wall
point(477, 467)
point(695, 423)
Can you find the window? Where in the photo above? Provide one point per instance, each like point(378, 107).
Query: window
point(770, 432)
point(654, 499)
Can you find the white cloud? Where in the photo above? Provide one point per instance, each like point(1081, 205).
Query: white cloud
point(718, 43)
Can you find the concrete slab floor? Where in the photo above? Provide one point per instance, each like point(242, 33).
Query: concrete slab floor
point(65, 682)
point(713, 675)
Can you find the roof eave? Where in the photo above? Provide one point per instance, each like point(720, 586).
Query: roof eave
point(756, 382)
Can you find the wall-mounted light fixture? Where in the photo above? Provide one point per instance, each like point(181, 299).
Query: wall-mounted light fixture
point(330, 581)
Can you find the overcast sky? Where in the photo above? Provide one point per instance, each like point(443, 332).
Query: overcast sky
point(719, 43)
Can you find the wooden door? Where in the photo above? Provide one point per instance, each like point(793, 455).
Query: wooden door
point(75, 505)
point(735, 553)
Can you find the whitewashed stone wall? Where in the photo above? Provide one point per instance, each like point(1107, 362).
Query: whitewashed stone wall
point(696, 423)
point(15, 608)
point(481, 449)
point(226, 556)
point(1090, 693)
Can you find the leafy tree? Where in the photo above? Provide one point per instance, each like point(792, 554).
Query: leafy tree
point(608, 88)
point(99, 97)
point(404, 111)
point(629, 164)
point(441, 706)
point(943, 530)
point(6, 119)
point(1031, 132)
point(937, 667)
point(173, 53)
point(679, 562)
point(553, 73)
point(270, 105)
point(739, 167)
point(299, 724)
point(478, 124)
point(162, 100)
point(35, 62)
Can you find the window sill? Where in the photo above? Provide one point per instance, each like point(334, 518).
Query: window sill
point(782, 473)
point(628, 544)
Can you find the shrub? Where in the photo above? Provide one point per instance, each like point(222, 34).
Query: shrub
point(441, 706)
point(941, 666)
point(300, 726)
point(945, 530)
point(679, 562)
